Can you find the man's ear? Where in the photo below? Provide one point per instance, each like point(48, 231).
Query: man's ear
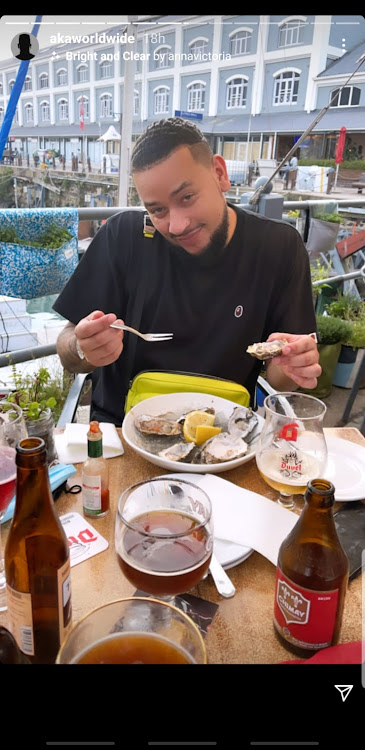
point(220, 168)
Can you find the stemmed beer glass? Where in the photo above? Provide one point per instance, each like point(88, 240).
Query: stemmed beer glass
point(292, 448)
point(12, 429)
point(164, 536)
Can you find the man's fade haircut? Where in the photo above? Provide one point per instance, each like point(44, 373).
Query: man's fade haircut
point(163, 137)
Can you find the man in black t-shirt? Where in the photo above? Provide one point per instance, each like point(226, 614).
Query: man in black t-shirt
point(219, 277)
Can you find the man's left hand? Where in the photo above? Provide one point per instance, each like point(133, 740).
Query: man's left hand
point(299, 360)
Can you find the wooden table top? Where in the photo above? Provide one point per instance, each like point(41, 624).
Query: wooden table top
point(242, 630)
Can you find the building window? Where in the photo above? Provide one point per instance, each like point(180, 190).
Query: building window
point(82, 74)
point(106, 106)
point(163, 58)
point(11, 84)
point(45, 112)
point(198, 47)
point(1, 87)
point(43, 80)
point(86, 106)
point(63, 109)
point(240, 43)
point(161, 100)
point(196, 97)
point(61, 77)
point(136, 102)
point(291, 33)
point(106, 69)
point(29, 114)
point(349, 97)
point(1, 114)
point(286, 88)
point(28, 84)
point(236, 93)
point(16, 117)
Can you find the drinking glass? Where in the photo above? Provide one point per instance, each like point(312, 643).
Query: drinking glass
point(164, 536)
point(292, 448)
point(12, 429)
point(134, 630)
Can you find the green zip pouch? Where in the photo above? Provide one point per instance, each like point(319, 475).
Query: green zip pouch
point(156, 383)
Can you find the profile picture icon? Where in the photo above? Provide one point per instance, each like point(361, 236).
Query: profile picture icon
point(24, 46)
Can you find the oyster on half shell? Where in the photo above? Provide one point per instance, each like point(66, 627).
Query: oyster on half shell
point(242, 421)
point(157, 425)
point(222, 447)
point(267, 349)
point(177, 452)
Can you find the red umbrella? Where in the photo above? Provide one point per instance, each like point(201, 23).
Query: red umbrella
point(340, 146)
point(339, 150)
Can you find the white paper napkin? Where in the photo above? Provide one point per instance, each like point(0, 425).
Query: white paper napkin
point(71, 445)
point(244, 517)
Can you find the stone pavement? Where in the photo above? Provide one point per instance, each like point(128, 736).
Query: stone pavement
point(336, 404)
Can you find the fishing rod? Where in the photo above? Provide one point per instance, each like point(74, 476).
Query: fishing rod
point(261, 189)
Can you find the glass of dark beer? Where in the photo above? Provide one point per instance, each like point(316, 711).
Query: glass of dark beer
point(164, 536)
point(134, 630)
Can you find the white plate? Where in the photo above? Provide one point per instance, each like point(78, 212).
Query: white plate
point(345, 468)
point(229, 554)
point(181, 403)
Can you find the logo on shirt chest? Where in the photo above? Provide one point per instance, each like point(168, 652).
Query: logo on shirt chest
point(238, 311)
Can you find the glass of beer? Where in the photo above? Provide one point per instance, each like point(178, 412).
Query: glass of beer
point(164, 536)
point(291, 450)
point(135, 630)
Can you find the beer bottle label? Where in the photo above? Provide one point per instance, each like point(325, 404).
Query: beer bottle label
point(91, 493)
point(21, 614)
point(64, 600)
point(304, 617)
point(21, 619)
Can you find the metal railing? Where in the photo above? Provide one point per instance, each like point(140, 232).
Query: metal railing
point(100, 212)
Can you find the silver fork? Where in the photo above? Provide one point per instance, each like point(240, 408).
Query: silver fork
point(145, 336)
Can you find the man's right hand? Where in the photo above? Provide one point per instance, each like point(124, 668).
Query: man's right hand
point(101, 344)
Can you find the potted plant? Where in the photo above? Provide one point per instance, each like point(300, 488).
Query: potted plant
point(38, 394)
point(347, 307)
point(352, 309)
point(351, 354)
point(323, 232)
point(331, 331)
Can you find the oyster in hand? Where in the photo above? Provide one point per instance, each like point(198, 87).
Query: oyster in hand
point(267, 349)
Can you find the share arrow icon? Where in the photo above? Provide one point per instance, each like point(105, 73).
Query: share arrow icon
point(344, 690)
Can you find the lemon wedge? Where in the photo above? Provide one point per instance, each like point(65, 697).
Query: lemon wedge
point(204, 432)
point(191, 422)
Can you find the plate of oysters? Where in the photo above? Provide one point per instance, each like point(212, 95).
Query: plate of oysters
point(192, 432)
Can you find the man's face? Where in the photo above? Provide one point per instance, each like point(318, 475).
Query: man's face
point(185, 199)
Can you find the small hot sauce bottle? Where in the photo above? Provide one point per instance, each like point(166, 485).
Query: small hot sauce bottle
point(95, 475)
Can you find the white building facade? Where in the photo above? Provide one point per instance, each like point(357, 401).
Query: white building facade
point(253, 83)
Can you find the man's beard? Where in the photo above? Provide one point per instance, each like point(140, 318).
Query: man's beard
point(217, 243)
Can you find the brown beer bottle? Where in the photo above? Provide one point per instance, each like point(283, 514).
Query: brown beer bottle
point(37, 560)
point(311, 577)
